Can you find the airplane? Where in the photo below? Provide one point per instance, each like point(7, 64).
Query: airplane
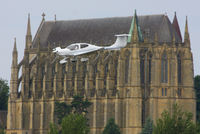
point(77, 49)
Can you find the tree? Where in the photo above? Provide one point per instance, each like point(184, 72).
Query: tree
point(79, 105)
point(73, 113)
point(197, 90)
point(4, 89)
point(53, 129)
point(178, 122)
point(61, 110)
point(111, 127)
point(148, 127)
point(75, 124)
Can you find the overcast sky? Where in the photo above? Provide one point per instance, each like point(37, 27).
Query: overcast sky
point(13, 15)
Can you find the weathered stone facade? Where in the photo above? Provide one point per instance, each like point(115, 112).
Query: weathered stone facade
point(141, 80)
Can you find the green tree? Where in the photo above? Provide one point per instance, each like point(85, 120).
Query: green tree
point(197, 90)
point(4, 89)
point(111, 127)
point(79, 105)
point(76, 111)
point(178, 122)
point(53, 129)
point(148, 127)
point(75, 124)
point(61, 110)
point(198, 127)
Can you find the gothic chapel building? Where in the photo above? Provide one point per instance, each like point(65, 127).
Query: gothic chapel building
point(149, 75)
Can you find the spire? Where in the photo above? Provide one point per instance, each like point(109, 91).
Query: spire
point(14, 54)
point(135, 32)
point(176, 26)
point(28, 34)
point(14, 72)
point(186, 36)
point(28, 26)
point(15, 45)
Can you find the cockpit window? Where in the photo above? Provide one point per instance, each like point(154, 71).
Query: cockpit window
point(73, 47)
point(83, 45)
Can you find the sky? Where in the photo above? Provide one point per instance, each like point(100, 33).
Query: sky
point(14, 14)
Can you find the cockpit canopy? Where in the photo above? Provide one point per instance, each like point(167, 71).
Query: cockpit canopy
point(77, 46)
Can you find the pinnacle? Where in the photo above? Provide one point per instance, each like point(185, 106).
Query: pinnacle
point(186, 25)
point(135, 28)
point(15, 45)
point(186, 36)
point(43, 16)
point(28, 26)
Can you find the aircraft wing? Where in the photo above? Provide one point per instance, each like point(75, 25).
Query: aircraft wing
point(81, 52)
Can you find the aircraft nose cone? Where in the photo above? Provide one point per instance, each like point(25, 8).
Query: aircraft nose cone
point(54, 51)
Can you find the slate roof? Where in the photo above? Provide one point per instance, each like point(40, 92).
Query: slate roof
point(101, 31)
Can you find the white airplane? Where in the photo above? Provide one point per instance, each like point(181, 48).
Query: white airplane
point(84, 48)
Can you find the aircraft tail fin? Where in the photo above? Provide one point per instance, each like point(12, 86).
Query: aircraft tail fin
point(120, 42)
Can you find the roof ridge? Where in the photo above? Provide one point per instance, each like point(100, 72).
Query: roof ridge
point(105, 18)
point(89, 19)
point(152, 15)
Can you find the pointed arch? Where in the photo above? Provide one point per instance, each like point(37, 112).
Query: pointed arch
point(164, 68)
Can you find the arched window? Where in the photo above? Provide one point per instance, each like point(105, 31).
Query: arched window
point(42, 73)
point(116, 68)
point(73, 72)
point(94, 74)
point(63, 73)
point(150, 57)
point(179, 68)
point(126, 68)
point(164, 68)
point(142, 69)
point(53, 73)
point(84, 72)
point(105, 73)
point(31, 83)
